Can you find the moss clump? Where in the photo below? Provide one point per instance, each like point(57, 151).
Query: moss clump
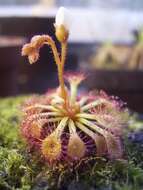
point(21, 170)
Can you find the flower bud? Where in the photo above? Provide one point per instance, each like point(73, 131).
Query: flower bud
point(61, 33)
point(62, 23)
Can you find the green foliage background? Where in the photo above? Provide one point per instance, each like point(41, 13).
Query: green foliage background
point(19, 170)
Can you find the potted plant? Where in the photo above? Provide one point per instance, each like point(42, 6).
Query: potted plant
point(70, 140)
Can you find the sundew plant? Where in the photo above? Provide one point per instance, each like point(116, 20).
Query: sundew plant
point(62, 125)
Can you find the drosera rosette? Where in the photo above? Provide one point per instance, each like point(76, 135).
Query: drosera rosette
point(64, 126)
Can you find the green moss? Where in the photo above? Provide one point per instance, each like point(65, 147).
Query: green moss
point(9, 119)
point(19, 170)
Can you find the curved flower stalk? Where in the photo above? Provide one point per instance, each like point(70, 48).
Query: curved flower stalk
point(62, 124)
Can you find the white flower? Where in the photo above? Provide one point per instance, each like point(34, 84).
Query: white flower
point(63, 18)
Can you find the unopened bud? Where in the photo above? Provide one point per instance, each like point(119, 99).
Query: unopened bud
point(61, 33)
point(62, 24)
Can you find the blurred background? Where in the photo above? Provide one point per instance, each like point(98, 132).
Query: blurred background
point(106, 42)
